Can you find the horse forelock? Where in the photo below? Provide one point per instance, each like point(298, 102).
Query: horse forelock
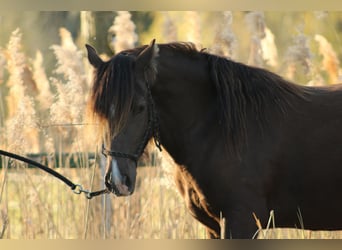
point(113, 92)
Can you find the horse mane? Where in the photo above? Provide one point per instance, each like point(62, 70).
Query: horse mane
point(241, 88)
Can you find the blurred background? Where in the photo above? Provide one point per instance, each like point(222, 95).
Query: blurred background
point(44, 84)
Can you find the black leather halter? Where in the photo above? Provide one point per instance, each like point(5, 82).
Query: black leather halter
point(151, 130)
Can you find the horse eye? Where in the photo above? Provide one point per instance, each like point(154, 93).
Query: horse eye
point(138, 109)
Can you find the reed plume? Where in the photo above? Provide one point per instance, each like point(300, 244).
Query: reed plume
point(194, 28)
point(269, 49)
point(21, 127)
point(71, 87)
point(256, 24)
point(169, 28)
point(330, 62)
point(122, 32)
point(2, 65)
point(225, 42)
point(45, 97)
point(298, 54)
point(69, 105)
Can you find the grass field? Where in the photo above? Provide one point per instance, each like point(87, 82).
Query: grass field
point(34, 205)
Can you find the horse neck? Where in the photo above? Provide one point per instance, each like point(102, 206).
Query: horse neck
point(184, 99)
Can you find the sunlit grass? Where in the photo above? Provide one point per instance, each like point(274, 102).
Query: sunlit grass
point(39, 206)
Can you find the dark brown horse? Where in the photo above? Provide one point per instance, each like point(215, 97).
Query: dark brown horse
point(245, 140)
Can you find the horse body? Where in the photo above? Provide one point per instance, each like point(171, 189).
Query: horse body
point(245, 140)
point(306, 168)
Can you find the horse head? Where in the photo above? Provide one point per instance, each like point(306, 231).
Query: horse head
point(122, 99)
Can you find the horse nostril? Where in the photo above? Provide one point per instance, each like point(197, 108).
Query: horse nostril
point(108, 181)
point(126, 181)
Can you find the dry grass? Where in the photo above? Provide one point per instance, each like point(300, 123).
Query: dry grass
point(38, 207)
point(272, 232)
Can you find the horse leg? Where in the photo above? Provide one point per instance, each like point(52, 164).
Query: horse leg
point(240, 222)
point(211, 234)
point(196, 203)
point(200, 211)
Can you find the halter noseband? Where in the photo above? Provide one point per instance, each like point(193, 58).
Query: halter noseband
point(151, 130)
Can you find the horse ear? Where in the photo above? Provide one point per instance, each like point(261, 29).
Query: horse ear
point(145, 60)
point(93, 57)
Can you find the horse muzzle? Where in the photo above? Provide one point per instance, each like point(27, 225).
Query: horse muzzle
point(121, 183)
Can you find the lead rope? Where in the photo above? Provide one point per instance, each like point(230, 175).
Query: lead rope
point(76, 188)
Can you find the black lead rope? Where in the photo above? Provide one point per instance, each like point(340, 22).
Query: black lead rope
point(76, 188)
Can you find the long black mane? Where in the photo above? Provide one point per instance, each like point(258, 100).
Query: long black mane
point(240, 88)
